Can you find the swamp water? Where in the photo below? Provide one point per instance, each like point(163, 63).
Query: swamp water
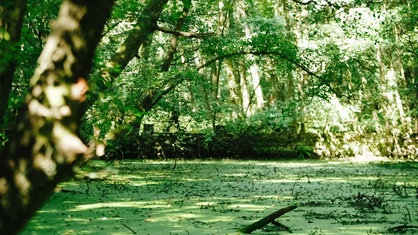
point(220, 197)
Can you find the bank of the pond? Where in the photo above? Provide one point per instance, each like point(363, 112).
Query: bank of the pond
point(219, 197)
point(278, 145)
point(222, 145)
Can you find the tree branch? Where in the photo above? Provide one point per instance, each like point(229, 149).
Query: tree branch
point(268, 219)
point(174, 38)
point(184, 34)
point(281, 55)
point(128, 50)
point(304, 3)
point(328, 3)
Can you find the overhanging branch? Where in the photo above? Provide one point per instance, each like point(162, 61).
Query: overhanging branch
point(304, 3)
point(327, 3)
point(281, 55)
point(184, 34)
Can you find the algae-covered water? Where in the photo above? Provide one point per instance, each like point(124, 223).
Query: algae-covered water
point(220, 197)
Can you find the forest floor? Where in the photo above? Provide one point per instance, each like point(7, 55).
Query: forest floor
point(220, 197)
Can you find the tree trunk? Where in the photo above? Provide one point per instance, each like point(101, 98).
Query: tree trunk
point(234, 88)
point(11, 17)
point(145, 26)
point(174, 39)
point(257, 86)
point(245, 94)
point(46, 146)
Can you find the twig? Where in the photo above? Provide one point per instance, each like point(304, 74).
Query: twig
point(408, 214)
point(126, 226)
point(282, 226)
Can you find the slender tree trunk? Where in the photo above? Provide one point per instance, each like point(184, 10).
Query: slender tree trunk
point(47, 146)
point(234, 88)
point(245, 94)
point(215, 74)
point(257, 86)
point(389, 106)
point(401, 84)
point(411, 79)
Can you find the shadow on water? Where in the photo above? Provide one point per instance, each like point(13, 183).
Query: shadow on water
point(219, 197)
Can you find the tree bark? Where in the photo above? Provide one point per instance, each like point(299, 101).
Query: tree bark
point(145, 26)
point(46, 145)
point(11, 18)
point(234, 88)
point(174, 39)
point(156, 93)
point(139, 35)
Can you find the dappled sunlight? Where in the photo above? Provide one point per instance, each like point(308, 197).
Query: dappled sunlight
point(315, 98)
point(130, 204)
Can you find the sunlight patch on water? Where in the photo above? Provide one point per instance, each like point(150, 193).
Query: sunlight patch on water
point(135, 204)
point(249, 207)
point(236, 175)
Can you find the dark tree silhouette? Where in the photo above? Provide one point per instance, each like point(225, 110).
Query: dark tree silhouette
point(46, 146)
point(11, 16)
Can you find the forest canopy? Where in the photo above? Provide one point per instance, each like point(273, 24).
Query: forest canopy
point(334, 77)
point(340, 73)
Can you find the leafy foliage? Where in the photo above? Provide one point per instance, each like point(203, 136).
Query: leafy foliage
point(346, 71)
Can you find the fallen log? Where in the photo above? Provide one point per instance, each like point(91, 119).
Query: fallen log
point(266, 220)
point(402, 228)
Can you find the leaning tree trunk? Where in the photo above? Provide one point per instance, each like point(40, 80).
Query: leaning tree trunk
point(46, 145)
point(145, 26)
